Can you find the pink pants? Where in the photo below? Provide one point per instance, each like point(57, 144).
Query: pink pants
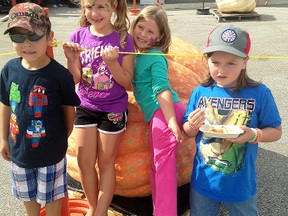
point(163, 176)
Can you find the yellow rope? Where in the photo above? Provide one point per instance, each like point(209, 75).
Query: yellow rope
point(10, 53)
point(55, 43)
point(269, 57)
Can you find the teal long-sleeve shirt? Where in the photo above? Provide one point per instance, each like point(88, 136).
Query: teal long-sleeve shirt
point(151, 78)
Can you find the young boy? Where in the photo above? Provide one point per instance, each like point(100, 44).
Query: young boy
point(37, 112)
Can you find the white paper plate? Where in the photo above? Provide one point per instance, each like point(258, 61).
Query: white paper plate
point(230, 131)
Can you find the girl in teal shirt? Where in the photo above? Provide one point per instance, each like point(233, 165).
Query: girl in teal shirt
point(161, 105)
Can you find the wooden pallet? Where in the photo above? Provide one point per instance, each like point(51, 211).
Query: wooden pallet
point(234, 16)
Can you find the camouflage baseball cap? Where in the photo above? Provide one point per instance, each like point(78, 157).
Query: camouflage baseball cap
point(29, 16)
point(230, 39)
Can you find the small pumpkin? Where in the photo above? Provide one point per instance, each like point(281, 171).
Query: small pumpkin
point(232, 6)
point(133, 160)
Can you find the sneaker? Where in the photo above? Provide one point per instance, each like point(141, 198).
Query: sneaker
point(54, 6)
point(60, 5)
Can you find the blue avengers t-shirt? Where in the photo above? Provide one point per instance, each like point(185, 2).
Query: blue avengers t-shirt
point(226, 171)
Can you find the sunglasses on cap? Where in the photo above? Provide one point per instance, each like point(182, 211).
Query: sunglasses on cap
point(20, 38)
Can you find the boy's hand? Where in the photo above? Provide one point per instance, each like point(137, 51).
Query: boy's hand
point(5, 150)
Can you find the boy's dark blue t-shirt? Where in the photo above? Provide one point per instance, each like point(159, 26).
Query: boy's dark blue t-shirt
point(38, 135)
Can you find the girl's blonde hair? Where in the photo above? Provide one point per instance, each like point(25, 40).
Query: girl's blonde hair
point(157, 14)
point(242, 81)
point(121, 22)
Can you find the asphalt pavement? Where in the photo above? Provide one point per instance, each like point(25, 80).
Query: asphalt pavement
point(269, 36)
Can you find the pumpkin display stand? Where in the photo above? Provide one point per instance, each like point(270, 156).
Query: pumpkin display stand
point(235, 10)
point(133, 161)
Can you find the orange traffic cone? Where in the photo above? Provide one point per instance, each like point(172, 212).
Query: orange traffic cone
point(71, 207)
point(134, 10)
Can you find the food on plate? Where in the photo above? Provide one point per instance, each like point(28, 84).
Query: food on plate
point(221, 131)
point(218, 129)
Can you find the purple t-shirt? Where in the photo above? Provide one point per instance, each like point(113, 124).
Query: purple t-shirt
point(97, 89)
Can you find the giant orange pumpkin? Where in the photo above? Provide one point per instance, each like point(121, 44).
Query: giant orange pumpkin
point(133, 159)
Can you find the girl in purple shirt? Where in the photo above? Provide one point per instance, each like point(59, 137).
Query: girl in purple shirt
point(102, 75)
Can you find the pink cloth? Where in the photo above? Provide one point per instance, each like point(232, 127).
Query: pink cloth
point(163, 175)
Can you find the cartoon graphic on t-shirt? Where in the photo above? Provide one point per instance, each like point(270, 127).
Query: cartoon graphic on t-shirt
point(87, 74)
point(38, 99)
point(102, 79)
point(14, 128)
point(14, 96)
point(218, 153)
point(35, 131)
